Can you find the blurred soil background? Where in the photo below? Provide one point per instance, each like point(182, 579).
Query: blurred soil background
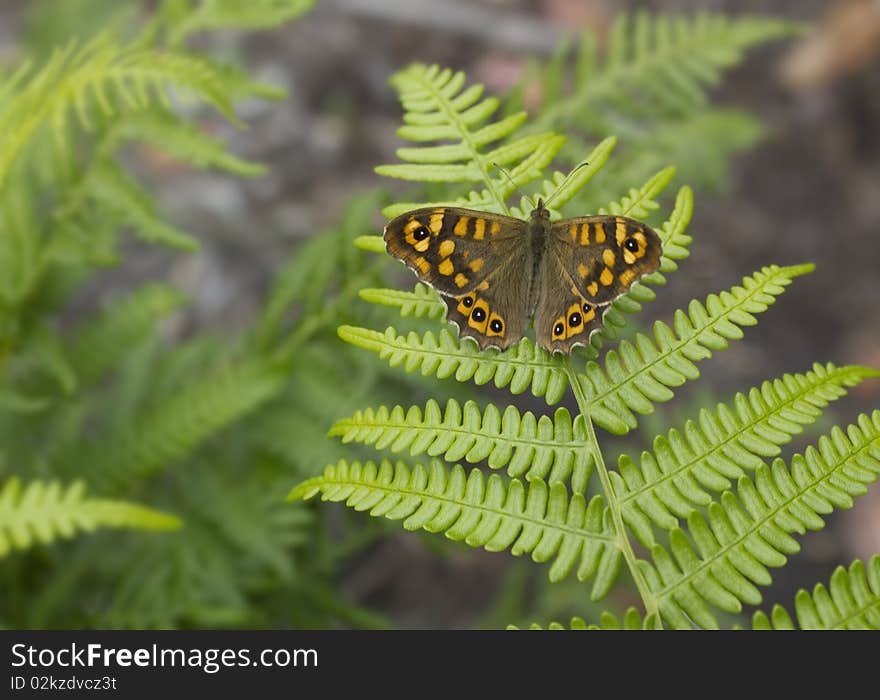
point(809, 191)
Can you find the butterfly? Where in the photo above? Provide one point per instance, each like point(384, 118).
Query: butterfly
point(496, 272)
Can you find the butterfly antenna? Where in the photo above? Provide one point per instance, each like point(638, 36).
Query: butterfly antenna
point(515, 186)
point(562, 184)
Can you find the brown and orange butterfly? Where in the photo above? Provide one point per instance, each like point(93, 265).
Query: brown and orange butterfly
point(496, 272)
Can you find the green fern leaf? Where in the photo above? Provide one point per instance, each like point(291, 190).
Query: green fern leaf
point(748, 532)
point(106, 340)
point(537, 519)
point(660, 64)
point(421, 302)
point(440, 108)
point(172, 430)
point(212, 15)
point(640, 373)
point(851, 601)
point(44, 512)
point(112, 188)
point(632, 620)
point(528, 446)
point(525, 366)
point(186, 142)
point(102, 79)
point(673, 480)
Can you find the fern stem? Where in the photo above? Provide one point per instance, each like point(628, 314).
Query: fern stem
point(614, 505)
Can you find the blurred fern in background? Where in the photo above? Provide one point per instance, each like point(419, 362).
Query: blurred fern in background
point(197, 434)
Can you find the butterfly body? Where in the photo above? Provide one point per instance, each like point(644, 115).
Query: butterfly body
point(496, 272)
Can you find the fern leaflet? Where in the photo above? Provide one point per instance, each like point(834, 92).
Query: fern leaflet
point(545, 448)
point(439, 108)
point(44, 512)
point(752, 530)
point(672, 481)
point(537, 519)
point(524, 366)
point(652, 64)
point(851, 601)
point(641, 372)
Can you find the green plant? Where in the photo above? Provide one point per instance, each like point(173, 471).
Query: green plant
point(105, 392)
point(697, 522)
point(649, 86)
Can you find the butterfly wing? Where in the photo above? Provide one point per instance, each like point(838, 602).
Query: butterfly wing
point(478, 261)
point(563, 316)
point(452, 249)
point(589, 262)
point(496, 313)
point(604, 255)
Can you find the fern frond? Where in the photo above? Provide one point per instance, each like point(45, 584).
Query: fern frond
point(421, 302)
point(185, 141)
point(705, 454)
point(101, 78)
point(440, 108)
point(632, 620)
point(752, 530)
point(105, 340)
point(116, 191)
point(524, 366)
point(851, 602)
point(642, 372)
point(173, 429)
point(563, 187)
point(551, 449)
point(660, 64)
point(44, 512)
point(537, 519)
point(211, 15)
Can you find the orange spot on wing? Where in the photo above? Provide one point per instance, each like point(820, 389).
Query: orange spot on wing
point(479, 229)
point(460, 280)
point(436, 222)
point(627, 276)
point(423, 265)
point(620, 230)
point(446, 267)
point(446, 248)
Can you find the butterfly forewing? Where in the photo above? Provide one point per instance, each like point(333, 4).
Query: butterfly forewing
point(453, 249)
point(604, 255)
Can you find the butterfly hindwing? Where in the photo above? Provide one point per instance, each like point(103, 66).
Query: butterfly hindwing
point(563, 316)
point(604, 255)
point(496, 313)
point(453, 249)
